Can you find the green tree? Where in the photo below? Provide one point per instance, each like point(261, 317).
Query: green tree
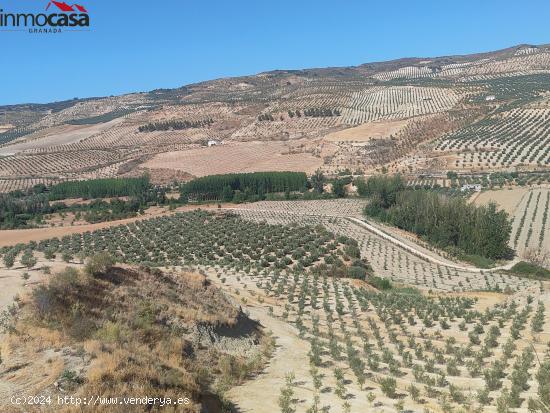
point(318, 181)
point(227, 193)
point(9, 259)
point(28, 259)
point(338, 188)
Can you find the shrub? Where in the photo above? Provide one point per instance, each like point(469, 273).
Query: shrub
point(380, 283)
point(358, 273)
point(529, 269)
point(99, 263)
point(66, 256)
point(43, 300)
point(49, 253)
point(28, 259)
point(9, 259)
point(477, 260)
point(388, 386)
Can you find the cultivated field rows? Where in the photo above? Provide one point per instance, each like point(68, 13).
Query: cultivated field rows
point(436, 348)
point(62, 163)
point(287, 128)
point(238, 157)
point(9, 185)
point(525, 61)
point(516, 137)
point(90, 108)
point(397, 102)
point(352, 346)
point(327, 208)
point(393, 262)
point(531, 226)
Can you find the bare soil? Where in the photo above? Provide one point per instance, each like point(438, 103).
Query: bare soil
point(231, 158)
point(367, 131)
point(507, 199)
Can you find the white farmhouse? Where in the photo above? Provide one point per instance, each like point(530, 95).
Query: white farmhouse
point(471, 187)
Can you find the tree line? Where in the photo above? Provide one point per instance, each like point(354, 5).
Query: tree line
point(447, 222)
point(310, 113)
point(175, 125)
point(315, 112)
point(100, 188)
point(242, 187)
point(18, 209)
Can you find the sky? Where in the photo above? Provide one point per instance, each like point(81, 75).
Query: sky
point(136, 45)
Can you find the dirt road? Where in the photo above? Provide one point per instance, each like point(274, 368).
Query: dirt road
point(262, 393)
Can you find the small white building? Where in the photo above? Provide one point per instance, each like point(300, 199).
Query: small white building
point(471, 187)
point(490, 97)
point(214, 142)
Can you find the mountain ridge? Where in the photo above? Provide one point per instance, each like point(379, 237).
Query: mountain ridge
point(376, 66)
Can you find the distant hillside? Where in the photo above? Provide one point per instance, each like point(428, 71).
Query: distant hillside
point(413, 115)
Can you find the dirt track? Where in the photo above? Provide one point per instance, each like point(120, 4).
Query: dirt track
point(414, 249)
point(428, 257)
point(291, 354)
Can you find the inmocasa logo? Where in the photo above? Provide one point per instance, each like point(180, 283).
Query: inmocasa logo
point(62, 16)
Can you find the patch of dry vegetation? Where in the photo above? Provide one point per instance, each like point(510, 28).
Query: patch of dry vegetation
point(135, 332)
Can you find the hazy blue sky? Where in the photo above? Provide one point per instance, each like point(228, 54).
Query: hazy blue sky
point(142, 45)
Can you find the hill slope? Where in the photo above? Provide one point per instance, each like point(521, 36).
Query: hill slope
point(477, 112)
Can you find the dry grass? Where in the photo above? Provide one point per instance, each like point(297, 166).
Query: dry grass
point(132, 330)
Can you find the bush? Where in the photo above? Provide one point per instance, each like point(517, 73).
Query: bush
point(99, 264)
point(338, 188)
point(380, 283)
point(529, 269)
point(67, 256)
point(48, 299)
point(388, 386)
point(111, 332)
point(9, 259)
point(477, 260)
point(358, 273)
point(43, 300)
point(28, 259)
